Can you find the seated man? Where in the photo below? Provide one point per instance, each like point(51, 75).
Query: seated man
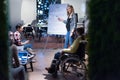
point(19, 42)
point(72, 49)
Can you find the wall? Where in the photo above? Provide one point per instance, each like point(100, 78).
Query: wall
point(15, 12)
point(21, 11)
point(28, 11)
point(79, 6)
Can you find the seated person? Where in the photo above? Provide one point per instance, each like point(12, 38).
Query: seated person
point(73, 48)
point(19, 42)
point(17, 37)
point(17, 70)
point(10, 34)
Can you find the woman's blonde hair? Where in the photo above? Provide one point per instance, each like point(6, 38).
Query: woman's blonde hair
point(71, 8)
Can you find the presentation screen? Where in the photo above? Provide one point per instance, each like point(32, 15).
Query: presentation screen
point(54, 25)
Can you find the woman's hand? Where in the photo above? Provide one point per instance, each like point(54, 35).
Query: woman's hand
point(27, 41)
point(60, 19)
point(71, 34)
point(62, 52)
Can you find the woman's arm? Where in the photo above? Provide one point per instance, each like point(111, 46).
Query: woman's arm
point(62, 20)
point(74, 23)
point(26, 42)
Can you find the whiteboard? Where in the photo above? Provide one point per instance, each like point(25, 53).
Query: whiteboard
point(55, 26)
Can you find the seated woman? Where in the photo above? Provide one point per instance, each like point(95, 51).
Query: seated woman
point(73, 48)
point(19, 42)
point(17, 70)
point(17, 37)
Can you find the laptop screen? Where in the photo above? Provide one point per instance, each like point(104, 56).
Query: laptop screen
point(23, 57)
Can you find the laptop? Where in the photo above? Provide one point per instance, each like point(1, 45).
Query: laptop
point(23, 57)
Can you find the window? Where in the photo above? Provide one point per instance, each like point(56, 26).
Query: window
point(43, 9)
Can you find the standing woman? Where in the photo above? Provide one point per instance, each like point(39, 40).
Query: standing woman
point(71, 23)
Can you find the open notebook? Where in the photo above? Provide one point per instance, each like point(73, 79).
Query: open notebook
point(23, 57)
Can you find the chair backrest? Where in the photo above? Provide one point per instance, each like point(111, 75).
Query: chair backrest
point(28, 29)
point(81, 49)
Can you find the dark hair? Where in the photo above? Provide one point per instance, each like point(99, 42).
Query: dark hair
point(18, 26)
point(29, 24)
point(80, 30)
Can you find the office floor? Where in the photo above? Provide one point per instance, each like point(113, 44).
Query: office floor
point(45, 50)
point(43, 59)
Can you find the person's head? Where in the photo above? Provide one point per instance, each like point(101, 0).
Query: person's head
point(70, 9)
point(19, 27)
point(29, 25)
point(10, 38)
point(80, 30)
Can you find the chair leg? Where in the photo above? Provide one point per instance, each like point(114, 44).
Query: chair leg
point(25, 66)
point(31, 65)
